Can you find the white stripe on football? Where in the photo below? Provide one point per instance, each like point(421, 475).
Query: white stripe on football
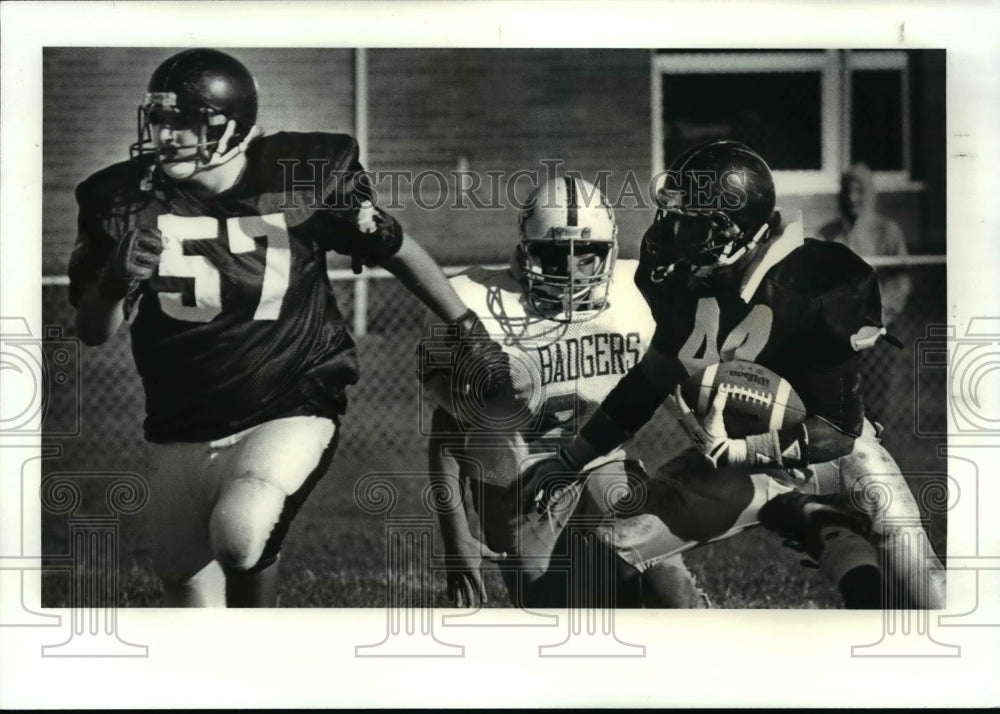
point(759, 400)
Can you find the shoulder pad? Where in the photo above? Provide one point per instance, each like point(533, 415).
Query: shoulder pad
point(336, 151)
point(473, 283)
point(625, 269)
point(305, 172)
point(113, 185)
point(817, 267)
point(844, 286)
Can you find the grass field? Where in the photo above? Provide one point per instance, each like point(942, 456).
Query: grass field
point(335, 553)
point(335, 557)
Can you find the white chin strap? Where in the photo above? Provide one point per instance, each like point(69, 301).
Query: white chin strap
point(726, 260)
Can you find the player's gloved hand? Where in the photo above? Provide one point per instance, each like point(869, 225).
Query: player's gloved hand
point(375, 230)
point(709, 434)
point(547, 478)
point(464, 558)
point(483, 368)
point(133, 260)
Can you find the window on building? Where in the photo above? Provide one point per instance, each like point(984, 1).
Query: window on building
point(810, 114)
point(878, 110)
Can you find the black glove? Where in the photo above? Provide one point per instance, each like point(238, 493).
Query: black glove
point(377, 236)
point(133, 260)
point(483, 371)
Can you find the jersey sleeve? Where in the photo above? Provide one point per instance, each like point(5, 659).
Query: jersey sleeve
point(851, 308)
point(848, 309)
point(90, 253)
point(102, 220)
point(345, 189)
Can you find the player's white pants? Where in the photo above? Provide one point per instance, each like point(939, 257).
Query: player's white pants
point(548, 568)
point(231, 500)
point(699, 505)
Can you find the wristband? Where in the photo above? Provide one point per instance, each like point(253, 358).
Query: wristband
point(766, 449)
point(763, 449)
point(737, 453)
point(602, 434)
point(578, 453)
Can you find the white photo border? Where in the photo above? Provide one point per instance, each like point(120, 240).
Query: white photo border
point(305, 658)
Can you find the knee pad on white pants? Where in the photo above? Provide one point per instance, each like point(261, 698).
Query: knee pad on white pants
point(245, 516)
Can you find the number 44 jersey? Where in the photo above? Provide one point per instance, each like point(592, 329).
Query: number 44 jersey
point(804, 309)
point(231, 330)
point(562, 370)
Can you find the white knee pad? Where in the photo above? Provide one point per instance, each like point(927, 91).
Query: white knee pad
point(245, 515)
point(874, 484)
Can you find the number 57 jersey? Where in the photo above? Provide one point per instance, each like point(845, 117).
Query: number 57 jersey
point(231, 330)
point(561, 370)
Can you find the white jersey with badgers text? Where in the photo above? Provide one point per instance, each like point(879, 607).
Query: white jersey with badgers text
point(562, 370)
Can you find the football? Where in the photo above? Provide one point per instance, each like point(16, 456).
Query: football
point(759, 400)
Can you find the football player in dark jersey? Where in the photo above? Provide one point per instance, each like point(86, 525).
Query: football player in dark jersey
point(726, 279)
point(211, 241)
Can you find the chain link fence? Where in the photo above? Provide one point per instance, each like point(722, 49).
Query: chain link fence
point(382, 426)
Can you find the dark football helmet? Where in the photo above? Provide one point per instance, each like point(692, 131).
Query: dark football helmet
point(714, 207)
point(199, 89)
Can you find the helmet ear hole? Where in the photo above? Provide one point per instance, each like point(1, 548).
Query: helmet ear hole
point(214, 132)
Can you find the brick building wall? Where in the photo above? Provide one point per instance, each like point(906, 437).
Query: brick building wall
point(506, 110)
point(434, 110)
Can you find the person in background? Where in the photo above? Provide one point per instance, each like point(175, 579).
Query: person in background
point(862, 229)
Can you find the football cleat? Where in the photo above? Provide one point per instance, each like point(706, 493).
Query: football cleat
point(202, 90)
point(566, 255)
point(799, 517)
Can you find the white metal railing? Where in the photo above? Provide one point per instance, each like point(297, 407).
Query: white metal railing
point(360, 287)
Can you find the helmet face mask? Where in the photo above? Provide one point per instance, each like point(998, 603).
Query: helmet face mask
point(160, 110)
point(567, 277)
point(196, 92)
point(723, 212)
point(709, 239)
point(567, 253)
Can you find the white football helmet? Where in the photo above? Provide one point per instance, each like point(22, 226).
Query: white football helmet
point(566, 256)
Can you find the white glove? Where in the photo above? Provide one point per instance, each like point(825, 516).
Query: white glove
point(709, 434)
